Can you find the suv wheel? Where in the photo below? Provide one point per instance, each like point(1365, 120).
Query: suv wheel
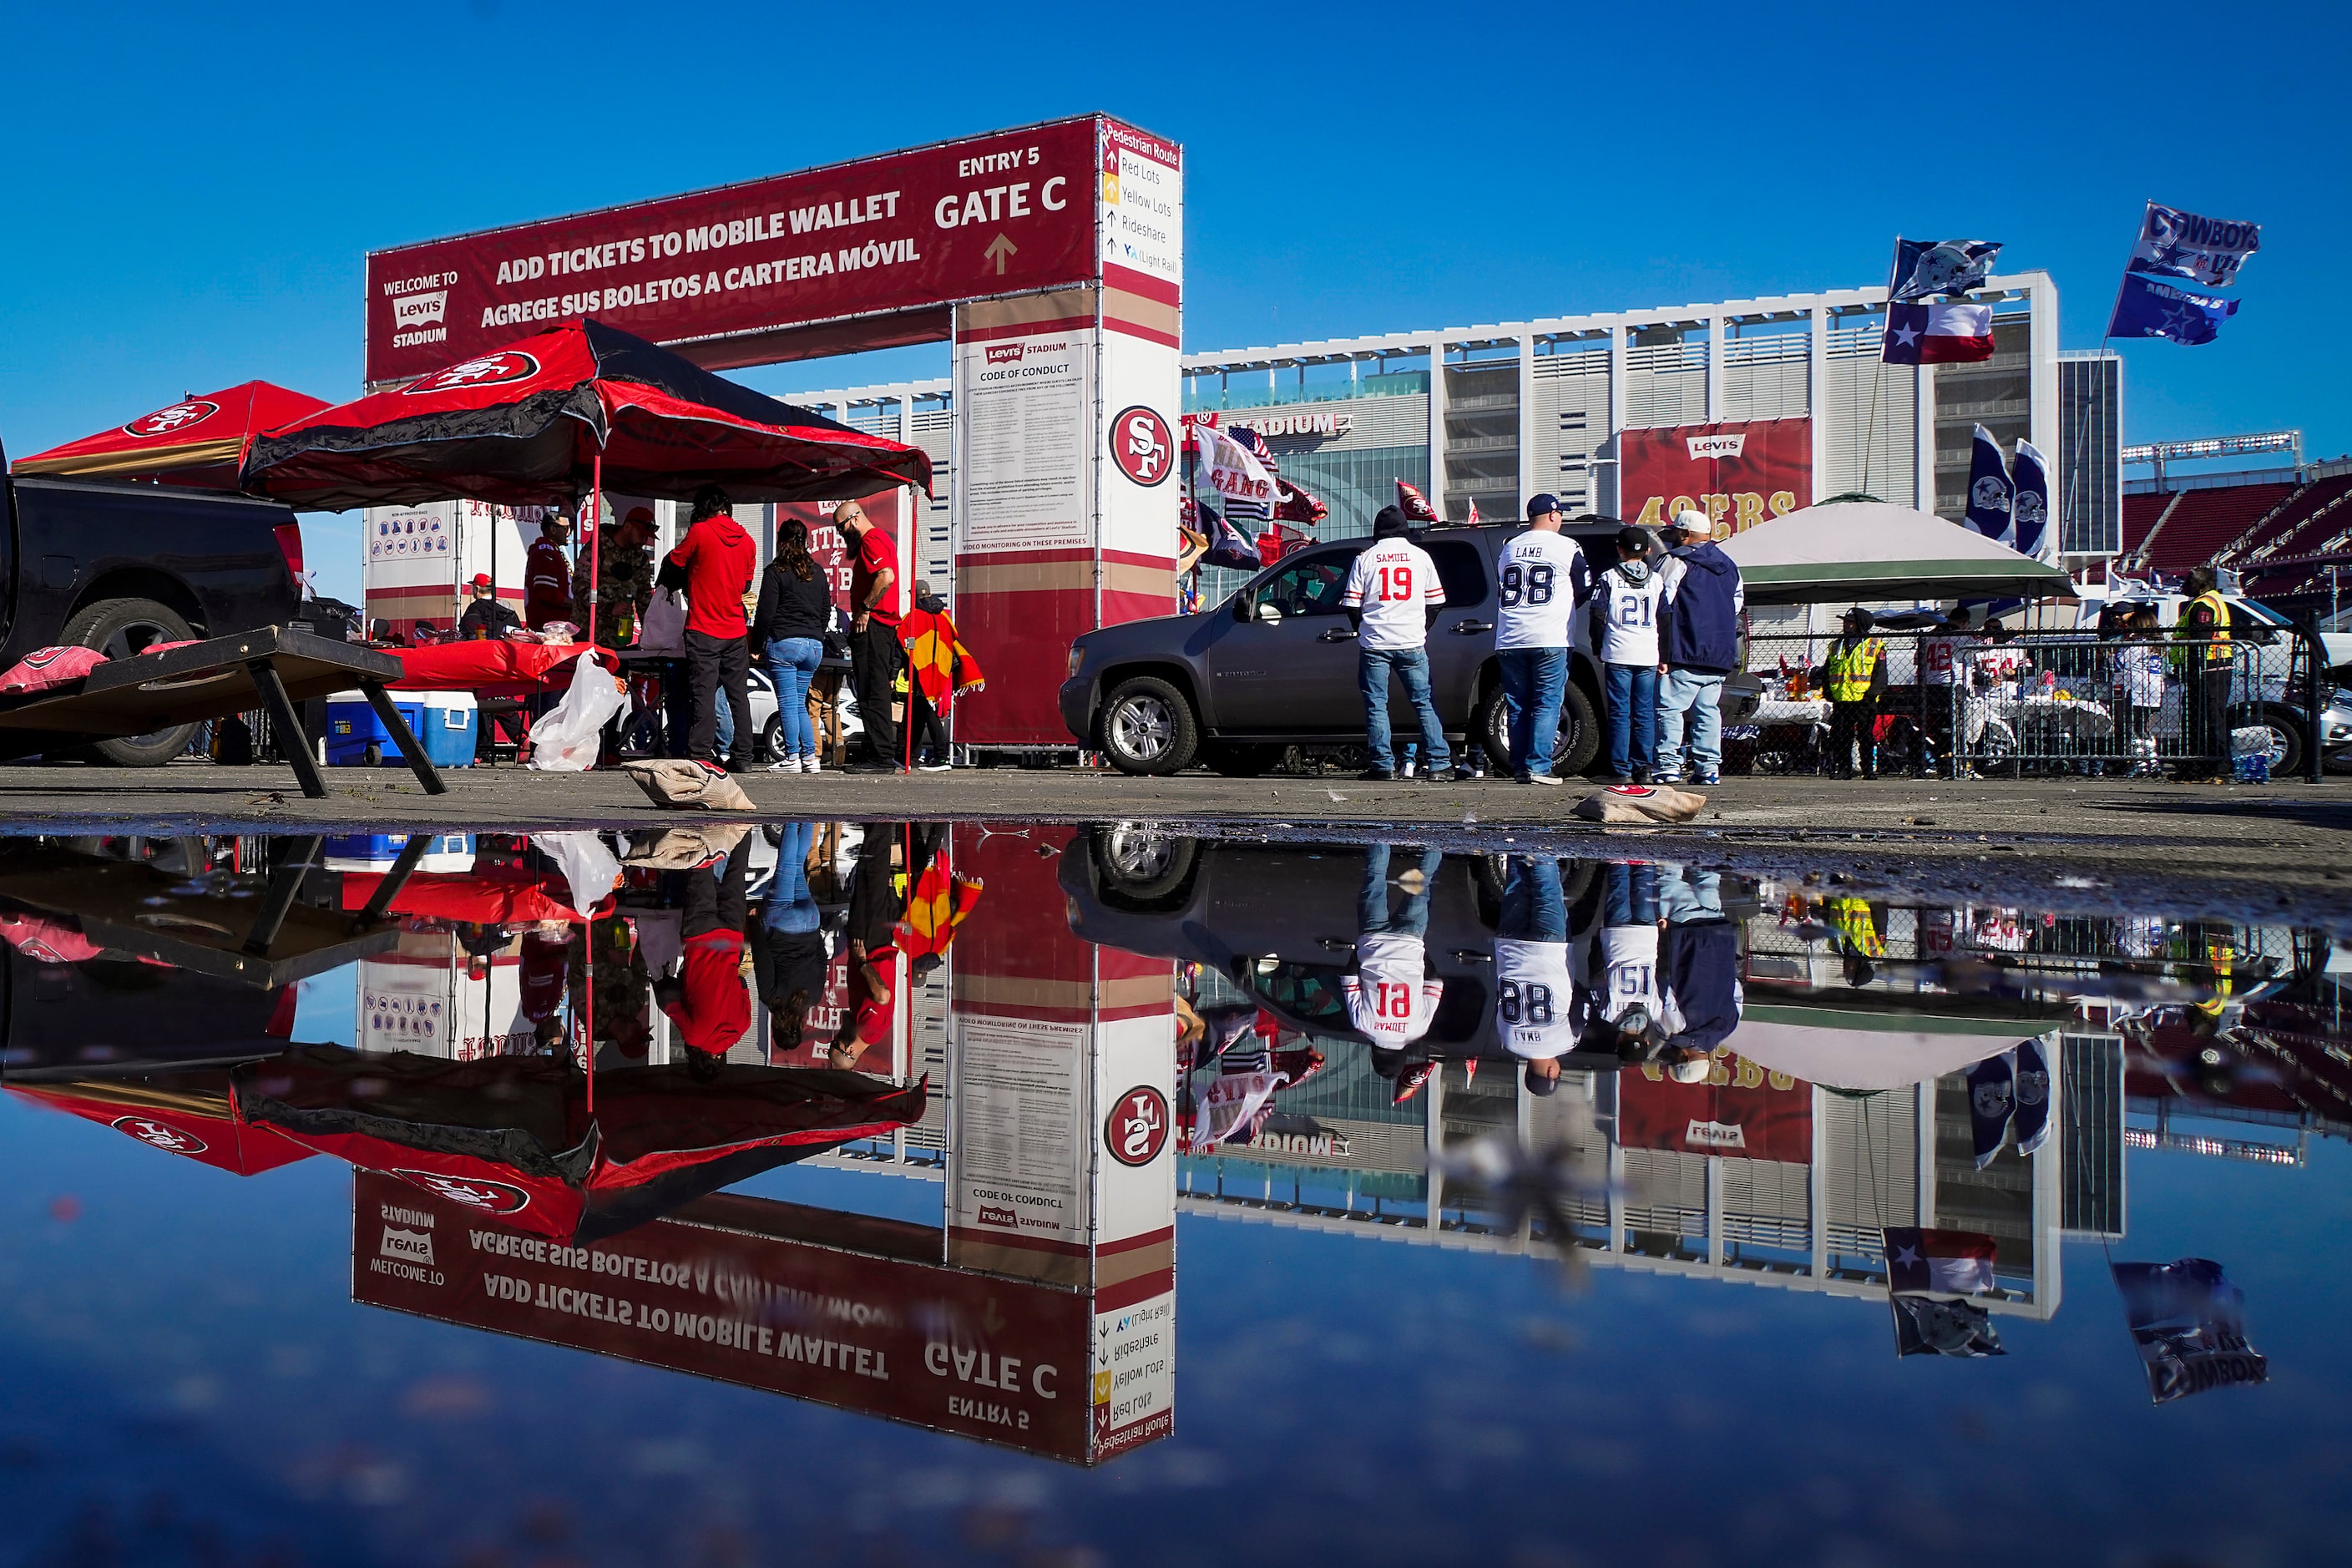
point(1148, 728)
point(1139, 865)
point(1580, 732)
point(119, 628)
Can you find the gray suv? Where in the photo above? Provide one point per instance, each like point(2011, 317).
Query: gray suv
point(1275, 666)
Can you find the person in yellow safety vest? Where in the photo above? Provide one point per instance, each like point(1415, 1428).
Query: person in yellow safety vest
point(1856, 923)
point(2204, 625)
point(1853, 678)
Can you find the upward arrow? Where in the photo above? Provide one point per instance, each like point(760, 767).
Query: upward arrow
point(998, 249)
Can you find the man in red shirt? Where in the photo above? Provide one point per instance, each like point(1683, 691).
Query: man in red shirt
point(874, 654)
point(706, 998)
point(547, 574)
point(873, 1000)
point(714, 563)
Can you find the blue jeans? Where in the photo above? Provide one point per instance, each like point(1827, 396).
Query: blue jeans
point(1373, 916)
point(1412, 667)
point(1632, 717)
point(792, 664)
point(1533, 906)
point(1533, 682)
point(790, 908)
point(1700, 696)
point(1630, 895)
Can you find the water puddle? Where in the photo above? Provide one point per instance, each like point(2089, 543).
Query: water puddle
point(1097, 1194)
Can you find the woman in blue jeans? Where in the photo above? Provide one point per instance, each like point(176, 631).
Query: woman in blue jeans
point(789, 629)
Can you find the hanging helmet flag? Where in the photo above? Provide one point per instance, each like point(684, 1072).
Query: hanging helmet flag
point(1925, 267)
point(1296, 505)
point(1990, 492)
point(2031, 533)
point(2208, 250)
point(1940, 332)
point(2147, 309)
point(1414, 504)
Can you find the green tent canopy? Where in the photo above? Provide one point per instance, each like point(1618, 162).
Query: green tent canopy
point(1842, 550)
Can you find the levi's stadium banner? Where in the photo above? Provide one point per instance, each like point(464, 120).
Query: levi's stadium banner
point(881, 247)
point(1746, 471)
point(1740, 1111)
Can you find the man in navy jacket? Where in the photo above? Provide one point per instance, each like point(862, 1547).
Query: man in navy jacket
point(1698, 647)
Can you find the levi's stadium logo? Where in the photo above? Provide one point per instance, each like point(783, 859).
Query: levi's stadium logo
point(156, 1134)
point(488, 370)
point(1005, 353)
point(474, 1192)
point(172, 420)
point(990, 1214)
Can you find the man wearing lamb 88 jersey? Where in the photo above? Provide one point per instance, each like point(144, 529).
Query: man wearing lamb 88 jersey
point(1535, 1011)
point(1542, 578)
point(1393, 598)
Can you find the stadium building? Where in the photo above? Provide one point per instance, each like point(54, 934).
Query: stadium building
point(1749, 408)
point(2285, 527)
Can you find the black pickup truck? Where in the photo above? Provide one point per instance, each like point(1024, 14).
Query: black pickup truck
point(1275, 666)
point(117, 566)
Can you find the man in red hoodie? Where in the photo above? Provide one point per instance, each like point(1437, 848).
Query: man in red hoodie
point(714, 563)
point(706, 998)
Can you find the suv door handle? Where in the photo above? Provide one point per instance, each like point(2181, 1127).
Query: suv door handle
point(1336, 635)
point(1472, 628)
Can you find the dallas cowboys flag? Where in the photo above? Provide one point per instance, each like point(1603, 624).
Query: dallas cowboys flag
point(1929, 1325)
point(2188, 1323)
point(1988, 488)
point(2146, 308)
point(2031, 533)
point(2208, 250)
point(1925, 267)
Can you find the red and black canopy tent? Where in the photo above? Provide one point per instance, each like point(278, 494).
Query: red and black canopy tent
point(198, 441)
point(551, 419)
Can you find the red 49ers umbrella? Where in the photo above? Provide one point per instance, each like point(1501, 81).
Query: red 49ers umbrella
point(546, 419)
point(196, 441)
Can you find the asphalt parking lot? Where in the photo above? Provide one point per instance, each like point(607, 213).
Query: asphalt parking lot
point(2264, 846)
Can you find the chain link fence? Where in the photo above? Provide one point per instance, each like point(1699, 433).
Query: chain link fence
point(2039, 702)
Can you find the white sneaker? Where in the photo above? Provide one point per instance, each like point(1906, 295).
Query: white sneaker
point(809, 765)
point(789, 765)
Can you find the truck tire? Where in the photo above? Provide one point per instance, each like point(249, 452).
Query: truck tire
point(1148, 728)
point(1580, 732)
point(119, 628)
point(1140, 865)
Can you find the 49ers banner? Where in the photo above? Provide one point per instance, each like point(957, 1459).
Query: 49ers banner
point(1746, 471)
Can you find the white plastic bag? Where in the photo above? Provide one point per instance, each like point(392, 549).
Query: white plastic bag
point(566, 740)
point(664, 628)
point(587, 864)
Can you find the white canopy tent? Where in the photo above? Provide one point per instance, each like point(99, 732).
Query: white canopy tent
point(1871, 549)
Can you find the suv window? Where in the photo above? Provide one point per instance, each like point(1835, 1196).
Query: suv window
point(1461, 571)
point(1310, 584)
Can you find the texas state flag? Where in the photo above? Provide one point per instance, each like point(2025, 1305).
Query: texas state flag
point(1937, 333)
point(1958, 1261)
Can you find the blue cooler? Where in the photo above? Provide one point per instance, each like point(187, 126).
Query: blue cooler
point(377, 851)
point(451, 720)
point(356, 739)
point(443, 721)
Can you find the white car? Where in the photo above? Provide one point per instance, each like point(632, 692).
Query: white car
point(769, 726)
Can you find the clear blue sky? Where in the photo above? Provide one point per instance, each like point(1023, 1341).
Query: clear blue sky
point(191, 190)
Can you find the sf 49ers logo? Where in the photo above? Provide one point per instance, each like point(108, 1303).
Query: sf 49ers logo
point(169, 421)
point(1137, 1128)
point(171, 1139)
point(474, 1192)
point(488, 370)
point(1142, 446)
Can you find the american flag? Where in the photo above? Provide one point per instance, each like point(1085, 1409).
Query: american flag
point(1255, 444)
point(1473, 523)
point(1413, 504)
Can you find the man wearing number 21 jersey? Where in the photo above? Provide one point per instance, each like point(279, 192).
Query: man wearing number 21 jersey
point(1541, 579)
point(1535, 1013)
point(1392, 597)
point(1625, 610)
point(1392, 996)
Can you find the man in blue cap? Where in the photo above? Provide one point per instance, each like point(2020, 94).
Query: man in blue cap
point(1542, 577)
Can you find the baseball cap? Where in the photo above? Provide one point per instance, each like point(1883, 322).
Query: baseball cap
point(1539, 504)
point(1538, 1084)
point(1633, 539)
point(1695, 1070)
point(1697, 524)
point(644, 514)
point(481, 579)
point(1859, 614)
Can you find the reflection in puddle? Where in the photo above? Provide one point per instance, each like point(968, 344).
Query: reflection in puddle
point(650, 1097)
